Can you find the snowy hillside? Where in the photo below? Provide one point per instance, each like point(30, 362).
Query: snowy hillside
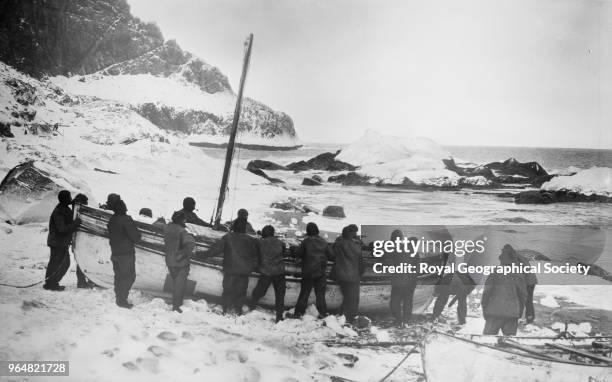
point(102, 147)
point(99, 49)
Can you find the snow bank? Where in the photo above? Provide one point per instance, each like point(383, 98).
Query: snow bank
point(389, 159)
point(596, 180)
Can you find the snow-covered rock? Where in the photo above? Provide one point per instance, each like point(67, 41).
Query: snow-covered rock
point(593, 181)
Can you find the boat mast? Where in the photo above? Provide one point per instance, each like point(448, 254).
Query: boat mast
point(230, 145)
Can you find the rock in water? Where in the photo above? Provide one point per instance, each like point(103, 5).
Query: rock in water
point(334, 211)
point(264, 165)
point(560, 196)
point(350, 179)
point(310, 182)
point(513, 171)
point(324, 162)
point(317, 178)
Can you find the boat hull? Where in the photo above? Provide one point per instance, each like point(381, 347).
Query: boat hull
point(92, 253)
point(448, 358)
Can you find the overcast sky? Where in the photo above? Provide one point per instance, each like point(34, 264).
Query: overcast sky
point(479, 72)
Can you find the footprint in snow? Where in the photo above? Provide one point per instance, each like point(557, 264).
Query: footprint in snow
point(167, 336)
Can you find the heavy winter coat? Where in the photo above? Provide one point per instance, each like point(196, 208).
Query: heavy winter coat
point(123, 234)
point(399, 258)
point(271, 256)
point(239, 253)
point(314, 252)
point(61, 227)
point(192, 218)
point(348, 264)
point(503, 296)
point(178, 245)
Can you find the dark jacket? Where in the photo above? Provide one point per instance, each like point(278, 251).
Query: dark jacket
point(192, 218)
point(503, 295)
point(239, 253)
point(249, 227)
point(123, 234)
point(530, 278)
point(61, 227)
point(178, 245)
point(270, 251)
point(314, 252)
point(395, 259)
point(348, 264)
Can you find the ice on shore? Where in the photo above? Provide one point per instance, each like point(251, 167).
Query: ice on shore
point(389, 159)
point(596, 180)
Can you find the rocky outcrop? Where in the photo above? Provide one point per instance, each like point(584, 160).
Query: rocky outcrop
point(264, 165)
point(468, 171)
point(324, 162)
point(510, 171)
point(334, 212)
point(350, 179)
point(310, 182)
point(170, 60)
point(513, 171)
point(64, 37)
point(559, 196)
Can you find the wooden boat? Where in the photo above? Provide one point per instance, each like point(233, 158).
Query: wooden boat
point(489, 358)
point(92, 252)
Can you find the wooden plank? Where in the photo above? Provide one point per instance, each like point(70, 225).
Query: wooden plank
point(530, 350)
point(580, 353)
point(602, 345)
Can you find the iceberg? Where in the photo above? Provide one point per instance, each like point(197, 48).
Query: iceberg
point(393, 160)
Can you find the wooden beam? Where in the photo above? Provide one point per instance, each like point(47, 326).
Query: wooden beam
point(529, 349)
point(580, 353)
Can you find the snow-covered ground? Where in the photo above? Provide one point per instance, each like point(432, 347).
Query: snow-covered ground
point(149, 342)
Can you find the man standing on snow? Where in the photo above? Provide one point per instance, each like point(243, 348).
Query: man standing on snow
point(403, 285)
point(348, 268)
point(503, 297)
point(272, 269)
point(123, 235)
point(178, 247)
point(314, 252)
point(61, 228)
point(239, 258)
point(189, 206)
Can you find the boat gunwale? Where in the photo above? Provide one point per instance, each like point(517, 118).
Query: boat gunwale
point(155, 231)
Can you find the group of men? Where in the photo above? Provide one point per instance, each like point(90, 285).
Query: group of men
point(505, 297)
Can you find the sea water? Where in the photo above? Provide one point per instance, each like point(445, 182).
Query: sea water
point(381, 205)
